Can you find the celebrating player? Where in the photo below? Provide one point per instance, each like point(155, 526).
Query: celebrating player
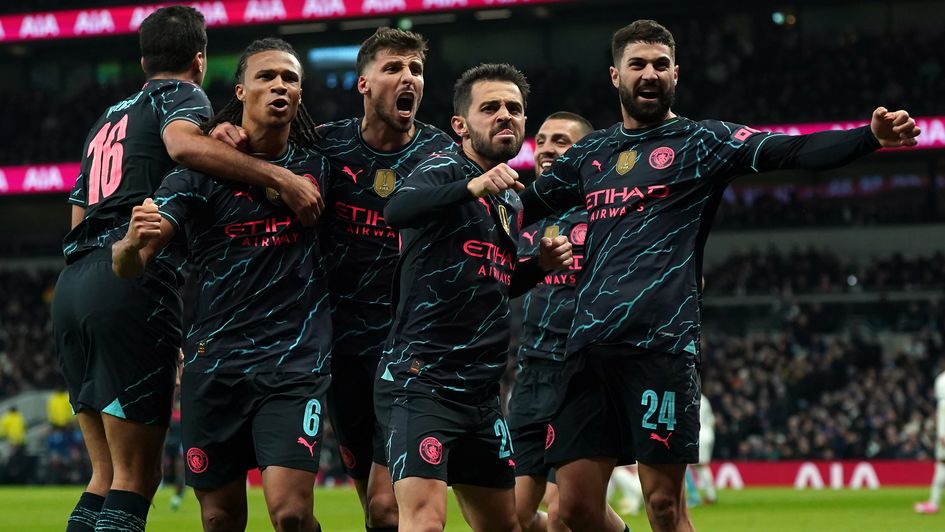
point(257, 355)
point(651, 185)
point(369, 157)
point(547, 313)
point(459, 218)
point(117, 340)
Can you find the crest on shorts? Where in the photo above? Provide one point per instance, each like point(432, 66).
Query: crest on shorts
point(504, 218)
point(431, 450)
point(625, 161)
point(384, 182)
point(197, 460)
point(552, 231)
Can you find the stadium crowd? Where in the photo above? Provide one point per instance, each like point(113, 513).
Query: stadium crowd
point(746, 78)
point(805, 271)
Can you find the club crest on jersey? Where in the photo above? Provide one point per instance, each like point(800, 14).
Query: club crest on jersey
point(552, 231)
point(662, 157)
point(625, 161)
point(384, 182)
point(579, 234)
point(504, 218)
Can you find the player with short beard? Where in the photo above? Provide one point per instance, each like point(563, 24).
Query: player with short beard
point(651, 185)
point(459, 218)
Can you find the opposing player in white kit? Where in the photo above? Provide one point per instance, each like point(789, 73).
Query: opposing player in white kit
point(706, 443)
point(938, 480)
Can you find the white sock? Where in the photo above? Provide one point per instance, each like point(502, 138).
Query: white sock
point(706, 481)
point(938, 483)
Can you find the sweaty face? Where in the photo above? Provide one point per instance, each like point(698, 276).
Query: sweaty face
point(271, 89)
point(646, 81)
point(495, 122)
point(554, 138)
point(393, 85)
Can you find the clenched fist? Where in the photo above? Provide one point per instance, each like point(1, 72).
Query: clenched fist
point(500, 178)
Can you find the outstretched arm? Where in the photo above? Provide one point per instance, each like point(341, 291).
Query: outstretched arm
point(830, 149)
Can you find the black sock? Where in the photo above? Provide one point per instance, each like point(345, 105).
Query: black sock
point(85, 513)
point(626, 527)
point(123, 511)
point(380, 528)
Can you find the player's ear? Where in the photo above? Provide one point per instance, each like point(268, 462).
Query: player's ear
point(199, 63)
point(142, 64)
point(363, 85)
point(239, 92)
point(459, 126)
point(615, 77)
point(675, 75)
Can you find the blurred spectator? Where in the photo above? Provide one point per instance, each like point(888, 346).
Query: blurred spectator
point(13, 427)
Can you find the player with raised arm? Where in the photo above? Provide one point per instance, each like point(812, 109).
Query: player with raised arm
point(257, 354)
point(370, 157)
point(651, 185)
point(459, 218)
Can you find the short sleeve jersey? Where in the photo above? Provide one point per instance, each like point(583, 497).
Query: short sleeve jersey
point(548, 309)
point(124, 160)
point(361, 249)
point(262, 306)
point(451, 326)
point(651, 195)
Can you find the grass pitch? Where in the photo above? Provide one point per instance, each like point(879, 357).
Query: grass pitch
point(41, 509)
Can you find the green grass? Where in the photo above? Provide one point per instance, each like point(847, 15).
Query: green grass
point(30, 509)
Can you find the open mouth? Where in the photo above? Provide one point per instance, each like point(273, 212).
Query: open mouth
point(280, 104)
point(648, 93)
point(405, 103)
point(545, 163)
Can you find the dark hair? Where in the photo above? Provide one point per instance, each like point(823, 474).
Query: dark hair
point(170, 38)
point(585, 124)
point(302, 132)
point(462, 91)
point(646, 31)
point(390, 39)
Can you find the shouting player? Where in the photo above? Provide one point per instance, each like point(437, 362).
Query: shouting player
point(257, 355)
point(370, 157)
point(651, 185)
point(459, 218)
point(117, 340)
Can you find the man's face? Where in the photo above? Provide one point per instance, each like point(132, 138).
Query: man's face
point(554, 138)
point(646, 81)
point(393, 86)
point(495, 120)
point(271, 89)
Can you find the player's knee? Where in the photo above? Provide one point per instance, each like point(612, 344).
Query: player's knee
point(576, 512)
point(424, 520)
point(290, 514)
point(216, 519)
point(664, 508)
point(554, 515)
point(382, 510)
point(525, 516)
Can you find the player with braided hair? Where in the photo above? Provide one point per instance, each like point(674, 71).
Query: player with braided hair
point(256, 357)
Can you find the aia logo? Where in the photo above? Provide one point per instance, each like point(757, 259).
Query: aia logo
point(664, 441)
point(347, 457)
point(431, 450)
point(579, 234)
point(197, 460)
point(549, 437)
point(662, 157)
